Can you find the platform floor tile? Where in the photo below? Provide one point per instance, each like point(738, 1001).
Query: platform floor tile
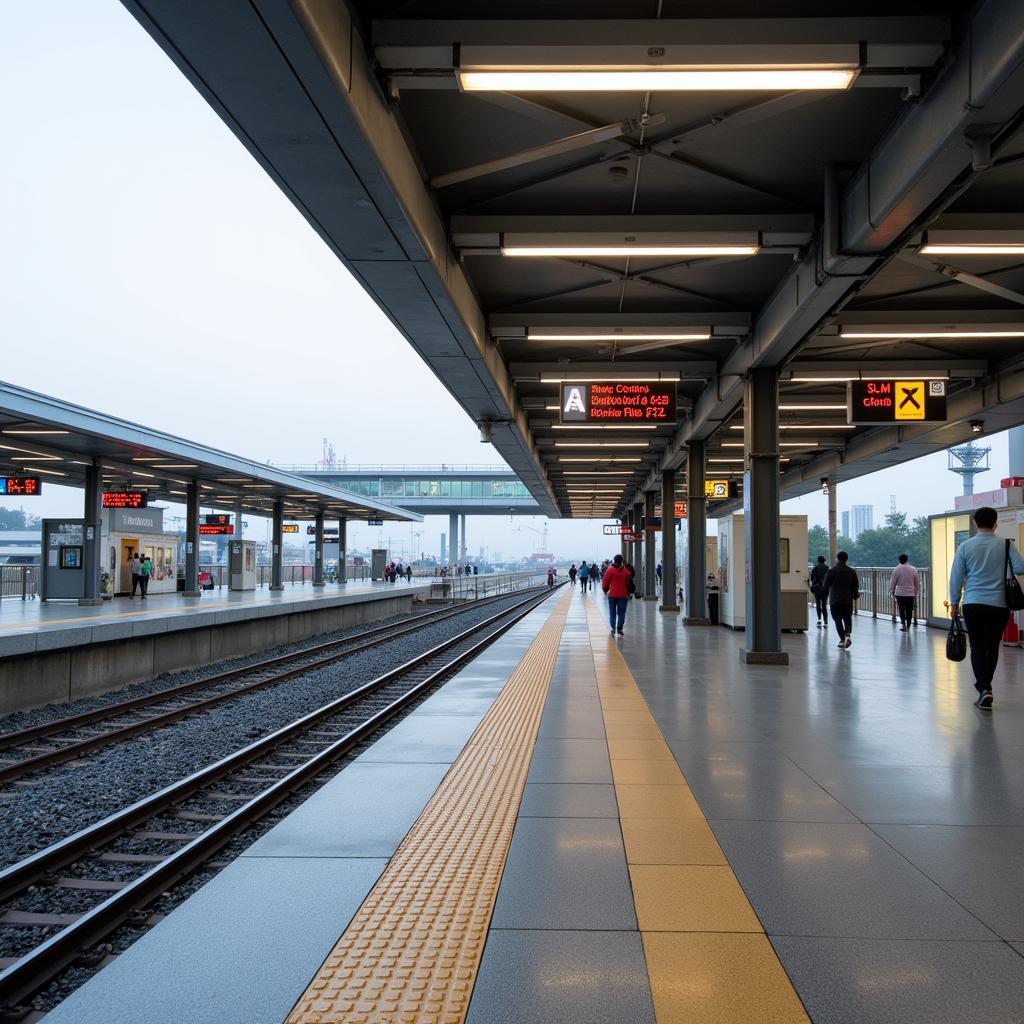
point(411, 952)
point(562, 977)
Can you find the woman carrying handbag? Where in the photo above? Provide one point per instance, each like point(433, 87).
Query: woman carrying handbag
point(983, 584)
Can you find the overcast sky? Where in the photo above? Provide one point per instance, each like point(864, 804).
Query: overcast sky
point(151, 270)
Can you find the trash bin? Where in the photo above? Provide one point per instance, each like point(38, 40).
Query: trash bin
point(713, 607)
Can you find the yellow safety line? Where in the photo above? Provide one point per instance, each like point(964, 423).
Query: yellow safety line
point(708, 958)
point(411, 953)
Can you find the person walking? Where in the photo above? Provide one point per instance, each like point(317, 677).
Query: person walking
point(584, 575)
point(572, 575)
point(618, 584)
point(136, 574)
point(551, 576)
point(905, 585)
point(816, 581)
point(977, 587)
point(659, 571)
point(145, 571)
point(842, 588)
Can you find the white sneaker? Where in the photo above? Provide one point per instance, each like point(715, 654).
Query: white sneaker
point(849, 640)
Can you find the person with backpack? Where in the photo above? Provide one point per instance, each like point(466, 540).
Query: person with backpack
point(145, 572)
point(842, 588)
point(978, 580)
point(584, 576)
point(618, 585)
point(816, 582)
point(572, 575)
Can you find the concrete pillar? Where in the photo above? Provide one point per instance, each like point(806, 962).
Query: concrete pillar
point(462, 540)
point(92, 551)
point(761, 519)
point(637, 555)
point(318, 551)
point(832, 534)
point(277, 545)
point(239, 520)
point(191, 588)
point(453, 538)
point(342, 549)
point(668, 542)
point(650, 577)
point(696, 545)
point(444, 548)
point(627, 524)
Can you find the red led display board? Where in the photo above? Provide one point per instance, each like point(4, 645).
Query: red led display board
point(23, 486)
point(125, 499)
point(618, 401)
point(216, 529)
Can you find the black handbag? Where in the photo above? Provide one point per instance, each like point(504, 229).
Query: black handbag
point(1014, 594)
point(956, 641)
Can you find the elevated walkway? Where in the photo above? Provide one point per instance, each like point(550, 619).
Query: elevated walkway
point(583, 828)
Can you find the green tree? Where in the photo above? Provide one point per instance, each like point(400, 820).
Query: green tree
point(817, 543)
point(17, 519)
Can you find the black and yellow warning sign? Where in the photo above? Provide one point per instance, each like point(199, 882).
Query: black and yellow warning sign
point(896, 401)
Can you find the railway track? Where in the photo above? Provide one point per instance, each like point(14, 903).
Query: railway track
point(224, 800)
point(27, 751)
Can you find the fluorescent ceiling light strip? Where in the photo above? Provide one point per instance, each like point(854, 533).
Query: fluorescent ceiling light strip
point(34, 432)
point(28, 451)
point(601, 444)
point(597, 458)
point(176, 465)
point(48, 472)
point(604, 426)
point(691, 79)
point(830, 407)
point(138, 472)
point(148, 458)
point(866, 375)
point(587, 472)
point(611, 336)
point(34, 458)
point(629, 251)
point(612, 377)
point(805, 426)
point(883, 335)
point(980, 249)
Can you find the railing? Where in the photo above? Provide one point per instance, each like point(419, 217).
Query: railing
point(220, 577)
point(471, 588)
point(19, 581)
point(875, 598)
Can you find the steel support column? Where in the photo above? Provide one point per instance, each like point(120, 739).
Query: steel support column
point(668, 542)
point(239, 520)
point(453, 538)
point(637, 558)
point(832, 535)
point(342, 549)
point(191, 588)
point(318, 552)
point(92, 552)
point(761, 519)
point(650, 577)
point(627, 524)
point(696, 546)
point(277, 545)
point(462, 540)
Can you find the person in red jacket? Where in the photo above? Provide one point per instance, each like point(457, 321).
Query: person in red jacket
point(617, 584)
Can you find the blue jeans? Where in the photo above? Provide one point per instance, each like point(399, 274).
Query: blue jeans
point(617, 611)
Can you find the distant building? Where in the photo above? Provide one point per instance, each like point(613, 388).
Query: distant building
point(845, 531)
point(20, 547)
point(863, 517)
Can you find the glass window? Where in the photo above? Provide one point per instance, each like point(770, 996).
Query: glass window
point(478, 488)
point(446, 488)
point(392, 488)
point(434, 488)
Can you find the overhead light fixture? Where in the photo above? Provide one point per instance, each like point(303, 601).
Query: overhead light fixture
point(148, 458)
point(972, 243)
point(597, 458)
point(722, 460)
point(34, 432)
point(176, 465)
point(48, 472)
point(613, 375)
point(587, 472)
point(824, 485)
point(844, 377)
point(699, 334)
point(805, 426)
point(138, 472)
point(878, 334)
point(602, 426)
point(563, 244)
point(977, 426)
point(601, 444)
point(824, 407)
point(647, 78)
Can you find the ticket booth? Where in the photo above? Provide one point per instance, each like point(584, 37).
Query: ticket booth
point(130, 532)
point(242, 570)
point(732, 600)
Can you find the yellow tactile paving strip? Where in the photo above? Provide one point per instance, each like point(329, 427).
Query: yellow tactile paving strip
point(708, 958)
point(411, 953)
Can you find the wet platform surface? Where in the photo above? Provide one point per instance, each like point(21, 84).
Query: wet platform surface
point(696, 839)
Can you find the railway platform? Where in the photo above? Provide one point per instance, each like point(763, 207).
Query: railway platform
point(582, 828)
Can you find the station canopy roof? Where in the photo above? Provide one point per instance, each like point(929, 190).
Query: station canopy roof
point(58, 441)
point(581, 191)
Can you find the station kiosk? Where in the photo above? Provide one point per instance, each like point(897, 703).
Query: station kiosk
point(732, 599)
point(242, 569)
point(139, 531)
point(948, 530)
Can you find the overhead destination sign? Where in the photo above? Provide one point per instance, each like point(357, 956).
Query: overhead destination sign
point(618, 401)
point(23, 486)
point(216, 529)
point(125, 499)
point(612, 529)
point(289, 527)
point(680, 509)
point(896, 401)
point(720, 489)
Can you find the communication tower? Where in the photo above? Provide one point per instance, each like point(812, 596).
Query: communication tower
point(968, 460)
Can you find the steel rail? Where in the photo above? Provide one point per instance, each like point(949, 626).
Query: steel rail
point(37, 967)
point(302, 661)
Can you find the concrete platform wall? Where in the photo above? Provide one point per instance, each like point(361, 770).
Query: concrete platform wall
point(67, 674)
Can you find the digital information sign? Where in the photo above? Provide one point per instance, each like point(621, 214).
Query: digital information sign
point(612, 529)
point(631, 536)
point(720, 489)
point(618, 401)
point(290, 528)
point(125, 499)
point(23, 486)
point(374, 522)
point(216, 529)
point(680, 509)
point(896, 401)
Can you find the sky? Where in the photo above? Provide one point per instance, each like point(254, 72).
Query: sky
point(151, 270)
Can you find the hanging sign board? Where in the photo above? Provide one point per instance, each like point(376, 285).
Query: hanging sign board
point(612, 529)
point(216, 529)
point(289, 527)
point(896, 401)
point(718, 490)
point(622, 401)
point(630, 536)
point(374, 522)
point(23, 486)
point(680, 509)
point(216, 519)
point(653, 524)
point(125, 499)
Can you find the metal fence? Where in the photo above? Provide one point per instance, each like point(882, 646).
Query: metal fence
point(471, 588)
point(19, 581)
point(220, 577)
